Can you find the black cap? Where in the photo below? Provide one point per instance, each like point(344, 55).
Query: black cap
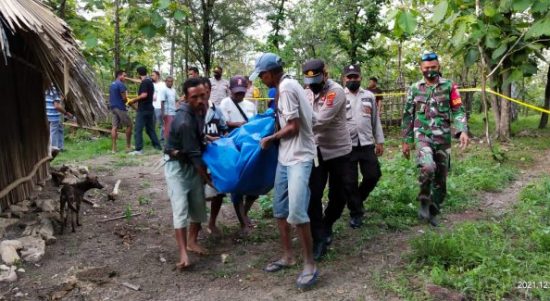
point(313, 71)
point(238, 84)
point(352, 70)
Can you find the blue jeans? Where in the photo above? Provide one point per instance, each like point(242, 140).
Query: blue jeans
point(56, 134)
point(291, 198)
point(145, 119)
point(158, 119)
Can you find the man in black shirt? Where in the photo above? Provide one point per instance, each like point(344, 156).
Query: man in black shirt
point(145, 116)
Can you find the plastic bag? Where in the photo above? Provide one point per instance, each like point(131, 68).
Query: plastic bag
point(237, 163)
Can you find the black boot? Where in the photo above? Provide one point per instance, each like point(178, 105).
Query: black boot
point(424, 210)
point(356, 222)
point(328, 240)
point(319, 249)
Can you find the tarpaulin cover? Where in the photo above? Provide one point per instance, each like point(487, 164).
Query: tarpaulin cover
point(237, 163)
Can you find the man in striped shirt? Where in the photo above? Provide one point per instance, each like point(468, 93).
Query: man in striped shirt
point(54, 111)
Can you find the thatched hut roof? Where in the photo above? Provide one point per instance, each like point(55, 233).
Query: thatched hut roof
point(36, 47)
point(51, 42)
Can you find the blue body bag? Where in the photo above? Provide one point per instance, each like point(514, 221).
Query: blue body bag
point(237, 163)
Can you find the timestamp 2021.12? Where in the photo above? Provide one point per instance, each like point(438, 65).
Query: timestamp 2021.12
point(533, 285)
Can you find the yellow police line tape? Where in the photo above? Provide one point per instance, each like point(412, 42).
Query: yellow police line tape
point(519, 102)
point(543, 110)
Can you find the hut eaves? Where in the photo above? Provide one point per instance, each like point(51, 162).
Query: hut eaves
point(51, 40)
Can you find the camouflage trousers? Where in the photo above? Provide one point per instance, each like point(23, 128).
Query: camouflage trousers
point(433, 161)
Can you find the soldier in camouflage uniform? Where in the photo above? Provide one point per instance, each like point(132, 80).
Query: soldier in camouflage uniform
point(432, 103)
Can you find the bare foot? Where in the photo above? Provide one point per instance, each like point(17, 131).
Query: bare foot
point(184, 262)
point(214, 231)
point(196, 248)
point(245, 231)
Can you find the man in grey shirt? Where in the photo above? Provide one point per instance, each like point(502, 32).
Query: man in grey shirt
point(296, 153)
point(333, 153)
point(367, 141)
point(220, 87)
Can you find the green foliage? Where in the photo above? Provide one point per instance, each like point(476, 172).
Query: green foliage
point(393, 201)
point(406, 23)
point(128, 213)
point(266, 205)
point(440, 10)
point(144, 200)
point(487, 260)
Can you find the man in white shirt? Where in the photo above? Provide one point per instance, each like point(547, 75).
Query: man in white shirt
point(220, 87)
point(159, 86)
point(295, 161)
point(167, 98)
point(236, 112)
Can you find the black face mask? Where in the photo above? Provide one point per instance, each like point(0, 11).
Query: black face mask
point(316, 88)
point(430, 74)
point(217, 75)
point(353, 85)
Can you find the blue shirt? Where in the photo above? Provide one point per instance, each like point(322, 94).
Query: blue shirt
point(271, 93)
point(52, 96)
point(115, 95)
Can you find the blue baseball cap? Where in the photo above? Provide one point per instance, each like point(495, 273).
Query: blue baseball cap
point(429, 56)
point(265, 62)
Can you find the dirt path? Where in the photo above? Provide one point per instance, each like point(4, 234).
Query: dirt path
point(141, 251)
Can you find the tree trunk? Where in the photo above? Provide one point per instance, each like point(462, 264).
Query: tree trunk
point(484, 84)
point(504, 129)
point(495, 104)
point(117, 36)
point(277, 24)
point(62, 8)
point(207, 7)
point(400, 80)
point(544, 116)
point(352, 36)
point(468, 95)
point(172, 47)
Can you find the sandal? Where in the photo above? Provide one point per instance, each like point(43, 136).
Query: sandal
point(306, 285)
point(276, 266)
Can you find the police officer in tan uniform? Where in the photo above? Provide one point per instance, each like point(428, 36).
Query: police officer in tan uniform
point(333, 143)
point(367, 141)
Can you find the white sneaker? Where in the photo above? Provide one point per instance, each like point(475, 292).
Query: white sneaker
point(136, 153)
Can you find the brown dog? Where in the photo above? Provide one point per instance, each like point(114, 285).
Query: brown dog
point(71, 196)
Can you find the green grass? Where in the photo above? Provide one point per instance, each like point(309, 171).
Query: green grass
point(393, 201)
point(82, 145)
point(487, 260)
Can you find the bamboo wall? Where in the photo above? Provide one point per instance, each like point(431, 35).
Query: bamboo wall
point(24, 132)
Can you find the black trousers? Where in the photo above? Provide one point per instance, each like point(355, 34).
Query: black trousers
point(336, 171)
point(365, 157)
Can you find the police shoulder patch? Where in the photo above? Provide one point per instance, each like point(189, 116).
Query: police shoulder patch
point(330, 98)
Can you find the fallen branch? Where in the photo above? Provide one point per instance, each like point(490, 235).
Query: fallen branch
point(117, 218)
point(94, 204)
point(113, 195)
point(22, 180)
point(117, 184)
point(131, 286)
